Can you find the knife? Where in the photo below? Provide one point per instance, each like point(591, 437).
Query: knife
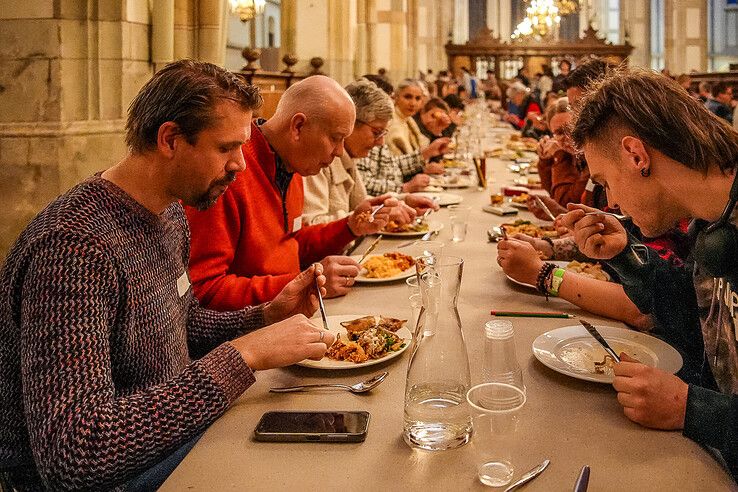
point(425, 237)
point(321, 305)
point(543, 207)
point(370, 248)
point(583, 480)
point(596, 334)
point(529, 476)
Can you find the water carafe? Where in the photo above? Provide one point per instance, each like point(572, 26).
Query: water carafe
point(436, 411)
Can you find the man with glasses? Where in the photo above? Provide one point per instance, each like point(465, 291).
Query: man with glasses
point(338, 189)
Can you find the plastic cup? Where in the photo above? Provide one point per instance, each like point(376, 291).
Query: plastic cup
point(495, 409)
point(459, 215)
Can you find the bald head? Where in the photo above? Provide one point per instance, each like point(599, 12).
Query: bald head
point(309, 126)
point(317, 97)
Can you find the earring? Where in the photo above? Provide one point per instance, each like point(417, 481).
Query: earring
point(645, 172)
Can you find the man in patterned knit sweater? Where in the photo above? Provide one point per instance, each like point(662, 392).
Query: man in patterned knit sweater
point(109, 368)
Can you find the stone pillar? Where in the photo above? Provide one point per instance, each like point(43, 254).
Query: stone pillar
point(342, 15)
point(499, 18)
point(685, 35)
point(68, 70)
point(461, 21)
point(635, 27)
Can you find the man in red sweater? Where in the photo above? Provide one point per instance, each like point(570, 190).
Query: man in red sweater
point(251, 243)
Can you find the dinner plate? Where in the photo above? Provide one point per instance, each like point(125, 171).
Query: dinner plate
point(334, 326)
point(571, 350)
point(560, 264)
point(433, 226)
point(522, 206)
point(400, 276)
point(444, 199)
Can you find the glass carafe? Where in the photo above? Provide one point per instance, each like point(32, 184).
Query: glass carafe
point(437, 415)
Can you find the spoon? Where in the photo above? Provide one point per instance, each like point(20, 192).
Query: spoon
point(619, 217)
point(421, 219)
point(361, 387)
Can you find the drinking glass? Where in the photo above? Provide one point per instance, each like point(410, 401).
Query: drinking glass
point(459, 215)
point(495, 409)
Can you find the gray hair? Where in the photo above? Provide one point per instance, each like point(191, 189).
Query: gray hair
point(561, 105)
point(371, 102)
point(404, 84)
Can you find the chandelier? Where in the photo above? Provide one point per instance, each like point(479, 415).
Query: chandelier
point(247, 9)
point(541, 18)
point(567, 7)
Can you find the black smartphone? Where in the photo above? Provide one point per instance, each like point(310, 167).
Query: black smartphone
point(333, 426)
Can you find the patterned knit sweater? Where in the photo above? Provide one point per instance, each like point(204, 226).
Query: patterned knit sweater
point(97, 341)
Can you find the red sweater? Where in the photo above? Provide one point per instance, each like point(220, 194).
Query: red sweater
point(241, 253)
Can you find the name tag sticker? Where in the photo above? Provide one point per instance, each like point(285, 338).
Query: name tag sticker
point(183, 284)
point(297, 224)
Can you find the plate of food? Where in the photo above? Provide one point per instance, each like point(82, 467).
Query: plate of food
point(455, 181)
point(386, 267)
point(413, 229)
point(521, 226)
point(454, 163)
point(520, 201)
point(592, 270)
point(444, 199)
point(362, 341)
point(571, 350)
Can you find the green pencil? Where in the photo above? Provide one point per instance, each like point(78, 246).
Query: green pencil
point(530, 314)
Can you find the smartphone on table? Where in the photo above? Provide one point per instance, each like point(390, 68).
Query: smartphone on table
point(328, 426)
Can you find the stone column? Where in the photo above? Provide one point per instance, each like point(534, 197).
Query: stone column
point(635, 27)
point(461, 21)
point(685, 35)
point(211, 31)
point(499, 18)
point(68, 70)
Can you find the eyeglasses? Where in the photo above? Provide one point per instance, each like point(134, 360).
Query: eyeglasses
point(377, 132)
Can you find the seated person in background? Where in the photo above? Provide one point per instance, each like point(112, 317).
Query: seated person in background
point(384, 172)
point(720, 103)
point(433, 118)
point(404, 136)
point(659, 167)
point(704, 91)
point(110, 369)
point(337, 189)
point(561, 173)
point(455, 110)
point(522, 105)
point(251, 243)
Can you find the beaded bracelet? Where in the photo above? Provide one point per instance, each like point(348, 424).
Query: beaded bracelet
point(543, 274)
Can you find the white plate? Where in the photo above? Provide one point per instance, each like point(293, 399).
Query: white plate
point(570, 350)
point(334, 326)
point(433, 226)
point(400, 276)
point(522, 206)
point(443, 198)
point(560, 264)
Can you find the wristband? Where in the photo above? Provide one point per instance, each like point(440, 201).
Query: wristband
point(557, 277)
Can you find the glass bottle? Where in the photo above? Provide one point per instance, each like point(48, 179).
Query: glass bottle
point(500, 360)
point(437, 415)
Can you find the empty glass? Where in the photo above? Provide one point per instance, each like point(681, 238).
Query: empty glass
point(500, 361)
point(496, 409)
point(459, 215)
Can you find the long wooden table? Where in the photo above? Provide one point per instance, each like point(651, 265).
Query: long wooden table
point(568, 421)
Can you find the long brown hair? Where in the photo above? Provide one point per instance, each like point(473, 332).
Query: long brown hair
point(660, 113)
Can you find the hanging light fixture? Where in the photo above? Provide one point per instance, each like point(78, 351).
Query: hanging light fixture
point(542, 17)
point(247, 9)
point(567, 7)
